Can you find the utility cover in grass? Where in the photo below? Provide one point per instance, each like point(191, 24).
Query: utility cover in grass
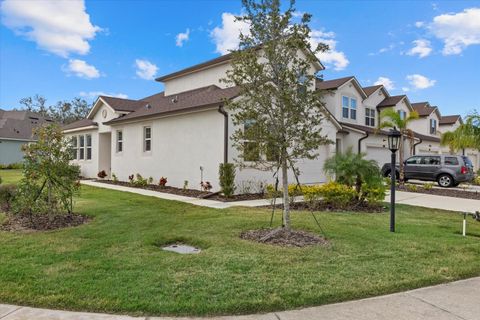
point(182, 249)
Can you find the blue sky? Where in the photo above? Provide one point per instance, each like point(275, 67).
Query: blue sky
point(428, 50)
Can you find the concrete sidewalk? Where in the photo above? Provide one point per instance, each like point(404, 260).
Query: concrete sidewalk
point(410, 198)
point(452, 301)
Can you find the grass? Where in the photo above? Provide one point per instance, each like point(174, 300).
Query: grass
point(10, 175)
point(114, 264)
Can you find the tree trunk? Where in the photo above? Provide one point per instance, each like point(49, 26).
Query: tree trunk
point(286, 201)
point(400, 157)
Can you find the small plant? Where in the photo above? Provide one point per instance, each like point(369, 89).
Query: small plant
point(131, 178)
point(428, 186)
point(7, 195)
point(150, 180)
point(140, 181)
point(102, 174)
point(206, 186)
point(114, 178)
point(227, 178)
point(185, 185)
point(163, 182)
point(411, 187)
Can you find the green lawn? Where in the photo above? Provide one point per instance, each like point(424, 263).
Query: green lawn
point(113, 264)
point(10, 175)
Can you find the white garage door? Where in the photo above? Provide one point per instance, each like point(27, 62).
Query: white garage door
point(426, 151)
point(379, 154)
point(474, 159)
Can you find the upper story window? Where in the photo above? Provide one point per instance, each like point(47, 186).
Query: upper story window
point(119, 141)
point(74, 147)
point(433, 126)
point(370, 117)
point(88, 139)
point(403, 114)
point(147, 139)
point(81, 153)
point(251, 150)
point(349, 107)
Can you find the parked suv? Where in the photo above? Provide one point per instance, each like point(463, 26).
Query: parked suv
point(447, 170)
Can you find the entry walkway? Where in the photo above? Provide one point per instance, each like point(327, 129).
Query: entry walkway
point(410, 198)
point(452, 301)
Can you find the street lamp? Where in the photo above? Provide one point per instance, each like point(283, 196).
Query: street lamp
point(393, 142)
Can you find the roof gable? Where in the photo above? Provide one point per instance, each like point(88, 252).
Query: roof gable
point(424, 109)
point(450, 119)
point(336, 84)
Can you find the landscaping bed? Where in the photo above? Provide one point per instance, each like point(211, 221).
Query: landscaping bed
point(188, 192)
point(284, 238)
point(329, 207)
point(447, 192)
point(42, 222)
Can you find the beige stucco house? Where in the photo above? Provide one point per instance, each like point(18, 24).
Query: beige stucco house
point(183, 133)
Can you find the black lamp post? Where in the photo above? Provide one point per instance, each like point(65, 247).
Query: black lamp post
point(393, 142)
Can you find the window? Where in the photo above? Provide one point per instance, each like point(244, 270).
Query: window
point(74, 147)
point(370, 117)
point(147, 139)
point(82, 147)
point(119, 141)
point(345, 105)
point(430, 160)
point(403, 114)
point(433, 126)
point(88, 137)
point(413, 161)
point(302, 84)
point(272, 154)
point(251, 150)
point(451, 161)
point(353, 109)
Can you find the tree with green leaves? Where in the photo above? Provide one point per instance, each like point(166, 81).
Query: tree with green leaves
point(278, 117)
point(49, 180)
point(389, 118)
point(63, 112)
point(467, 135)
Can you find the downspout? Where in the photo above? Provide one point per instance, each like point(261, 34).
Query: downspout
point(225, 133)
point(360, 142)
point(415, 146)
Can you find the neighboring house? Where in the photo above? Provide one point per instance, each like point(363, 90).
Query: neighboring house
point(183, 133)
point(15, 130)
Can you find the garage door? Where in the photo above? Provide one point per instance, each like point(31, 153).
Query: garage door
point(474, 159)
point(379, 154)
point(426, 151)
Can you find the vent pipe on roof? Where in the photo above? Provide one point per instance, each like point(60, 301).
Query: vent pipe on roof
point(148, 106)
point(175, 99)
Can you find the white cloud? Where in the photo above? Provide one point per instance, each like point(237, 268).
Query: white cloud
point(95, 94)
point(457, 30)
point(422, 48)
point(182, 37)
point(81, 69)
point(419, 24)
point(386, 82)
point(418, 81)
point(60, 27)
point(145, 69)
point(405, 89)
point(226, 36)
point(390, 47)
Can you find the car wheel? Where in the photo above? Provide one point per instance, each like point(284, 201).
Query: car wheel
point(389, 175)
point(445, 180)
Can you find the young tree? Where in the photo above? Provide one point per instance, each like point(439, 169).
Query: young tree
point(49, 180)
point(467, 135)
point(389, 118)
point(278, 115)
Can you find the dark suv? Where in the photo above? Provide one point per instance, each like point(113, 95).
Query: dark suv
point(447, 170)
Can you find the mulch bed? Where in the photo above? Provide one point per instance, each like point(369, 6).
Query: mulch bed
point(284, 238)
point(447, 192)
point(42, 222)
point(323, 206)
point(189, 192)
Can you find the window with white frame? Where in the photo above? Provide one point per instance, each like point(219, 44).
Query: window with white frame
point(370, 117)
point(349, 107)
point(81, 149)
point(353, 108)
point(147, 139)
point(74, 147)
point(251, 150)
point(433, 126)
point(88, 138)
point(403, 114)
point(119, 141)
point(345, 106)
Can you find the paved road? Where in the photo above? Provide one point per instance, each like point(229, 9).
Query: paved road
point(453, 301)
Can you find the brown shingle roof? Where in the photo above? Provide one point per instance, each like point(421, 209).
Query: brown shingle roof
point(20, 124)
point(370, 130)
point(331, 84)
point(184, 101)
point(120, 104)
point(423, 108)
point(425, 138)
point(370, 90)
point(445, 120)
point(79, 124)
point(391, 101)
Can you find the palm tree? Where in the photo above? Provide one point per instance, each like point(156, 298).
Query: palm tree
point(389, 118)
point(467, 135)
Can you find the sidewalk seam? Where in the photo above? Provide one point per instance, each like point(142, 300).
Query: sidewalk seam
point(11, 312)
point(435, 306)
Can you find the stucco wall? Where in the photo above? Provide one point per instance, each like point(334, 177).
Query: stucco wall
point(11, 151)
point(180, 146)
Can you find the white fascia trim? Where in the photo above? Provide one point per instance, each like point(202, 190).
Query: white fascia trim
point(353, 129)
point(80, 129)
point(13, 139)
point(94, 108)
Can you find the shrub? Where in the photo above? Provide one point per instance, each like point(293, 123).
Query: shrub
point(428, 186)
point(337, 194)
point(476, 181)
point(163, 182)
point(226, 172)
point(140, 181)
point(114, 178)
point(411, 187)
point(206, 186)
point(131, 178)
point(102, 174)
point(185, 185)
point(7, 195)
point(374, 195)
point(150, 180)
